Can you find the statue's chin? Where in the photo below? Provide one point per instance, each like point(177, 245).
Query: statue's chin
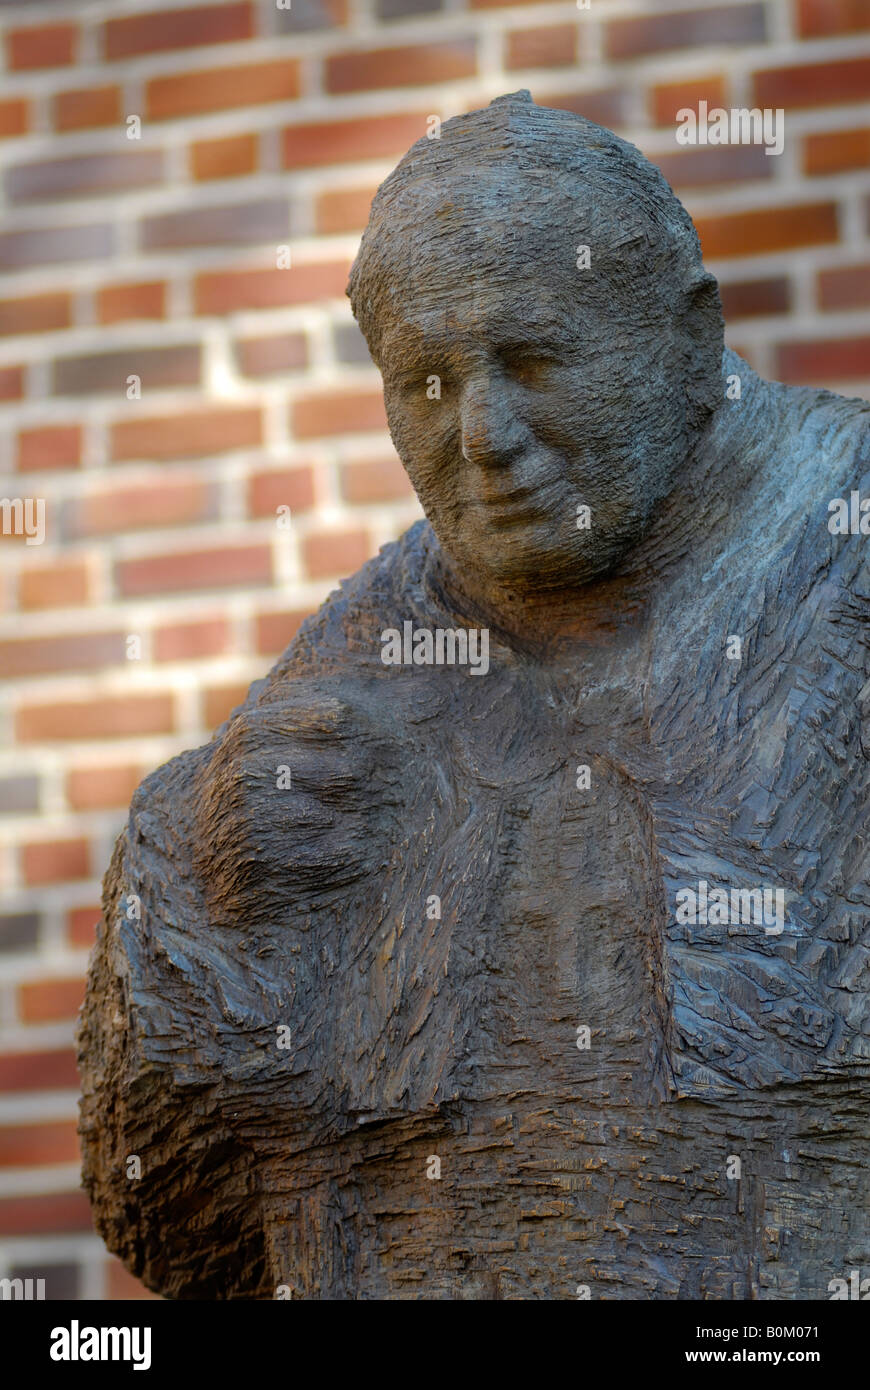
point(530, 568)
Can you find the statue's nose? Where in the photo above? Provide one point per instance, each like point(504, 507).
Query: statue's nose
point(492, 435)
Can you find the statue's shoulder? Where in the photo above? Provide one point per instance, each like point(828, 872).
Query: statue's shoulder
point(810, 500)
point(831, 462)
point(824, 444)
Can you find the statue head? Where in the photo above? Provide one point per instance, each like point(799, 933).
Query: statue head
point(534, 296)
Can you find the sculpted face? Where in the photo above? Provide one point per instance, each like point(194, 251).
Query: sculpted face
point(551, 393)
point(521, 386)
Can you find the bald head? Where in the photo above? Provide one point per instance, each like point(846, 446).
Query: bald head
point(515, 169)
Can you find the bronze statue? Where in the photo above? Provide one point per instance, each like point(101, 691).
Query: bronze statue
point(511, 940)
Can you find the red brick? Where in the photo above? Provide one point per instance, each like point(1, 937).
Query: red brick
point(410, 66)
point(767, 229)
point(101, 788)
point(81, 925)
point(226, 567)
point(188, 641)
point(34, 1146)
point(21, 519)
point(50, 446)
point(275, 631)
point(335, 554)
point(175, 502)
point(118, 303)
point(280, 352)
point(842, 359)
point(23, 522)
point(605, 106)
point(121, 1285)
point(226, 291)
point(49, 46)
point(60, 585)
point(283, 487)
point(224, 159)
point(551, 46)
point(221, 89)
point(38, 313)
point(219, 701)
point(164, 30)
point(341, 142)
point(813, 84)
point(55, 861)
point(44, 655)
point(834, 151)
point(54, 1214)
point(47, 1001)
point(122, 716)
point(87, 107)
point(330, 412)
point(191, 435)
point(11, 383)
point(39, 1071)
point(819, 18)
point(638, 36)
point(375, 480)
point(344, 210)
point(668, 98)
point(847, 287)
point(14, 116)
point(753, 298)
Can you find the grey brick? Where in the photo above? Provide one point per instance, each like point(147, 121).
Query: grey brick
point(106, 372)
point(232, 224)
point(350, 345)
point(19, 931)
point(61, 1281)
point(303, 15)
point(398, 9)
point(19, 794)
point(83, 174)
point(52, 245)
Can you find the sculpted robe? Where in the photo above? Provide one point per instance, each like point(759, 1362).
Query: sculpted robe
point(421, 1044)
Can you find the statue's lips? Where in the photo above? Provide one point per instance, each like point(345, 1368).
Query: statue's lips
point(525, 504)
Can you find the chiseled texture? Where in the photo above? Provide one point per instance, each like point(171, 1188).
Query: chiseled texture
point(456, 1037)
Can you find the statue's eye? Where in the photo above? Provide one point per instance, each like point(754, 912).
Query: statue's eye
point(532, 368)
point(427, 385)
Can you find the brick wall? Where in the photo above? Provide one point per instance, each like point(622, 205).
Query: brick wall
point(158, 258)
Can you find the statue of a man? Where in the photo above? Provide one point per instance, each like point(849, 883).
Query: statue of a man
point(511, 940)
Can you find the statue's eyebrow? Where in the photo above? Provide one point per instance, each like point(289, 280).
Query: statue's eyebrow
point(549, 340)
point(416, 346)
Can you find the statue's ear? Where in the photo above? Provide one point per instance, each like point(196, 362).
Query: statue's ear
point(704, 335)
